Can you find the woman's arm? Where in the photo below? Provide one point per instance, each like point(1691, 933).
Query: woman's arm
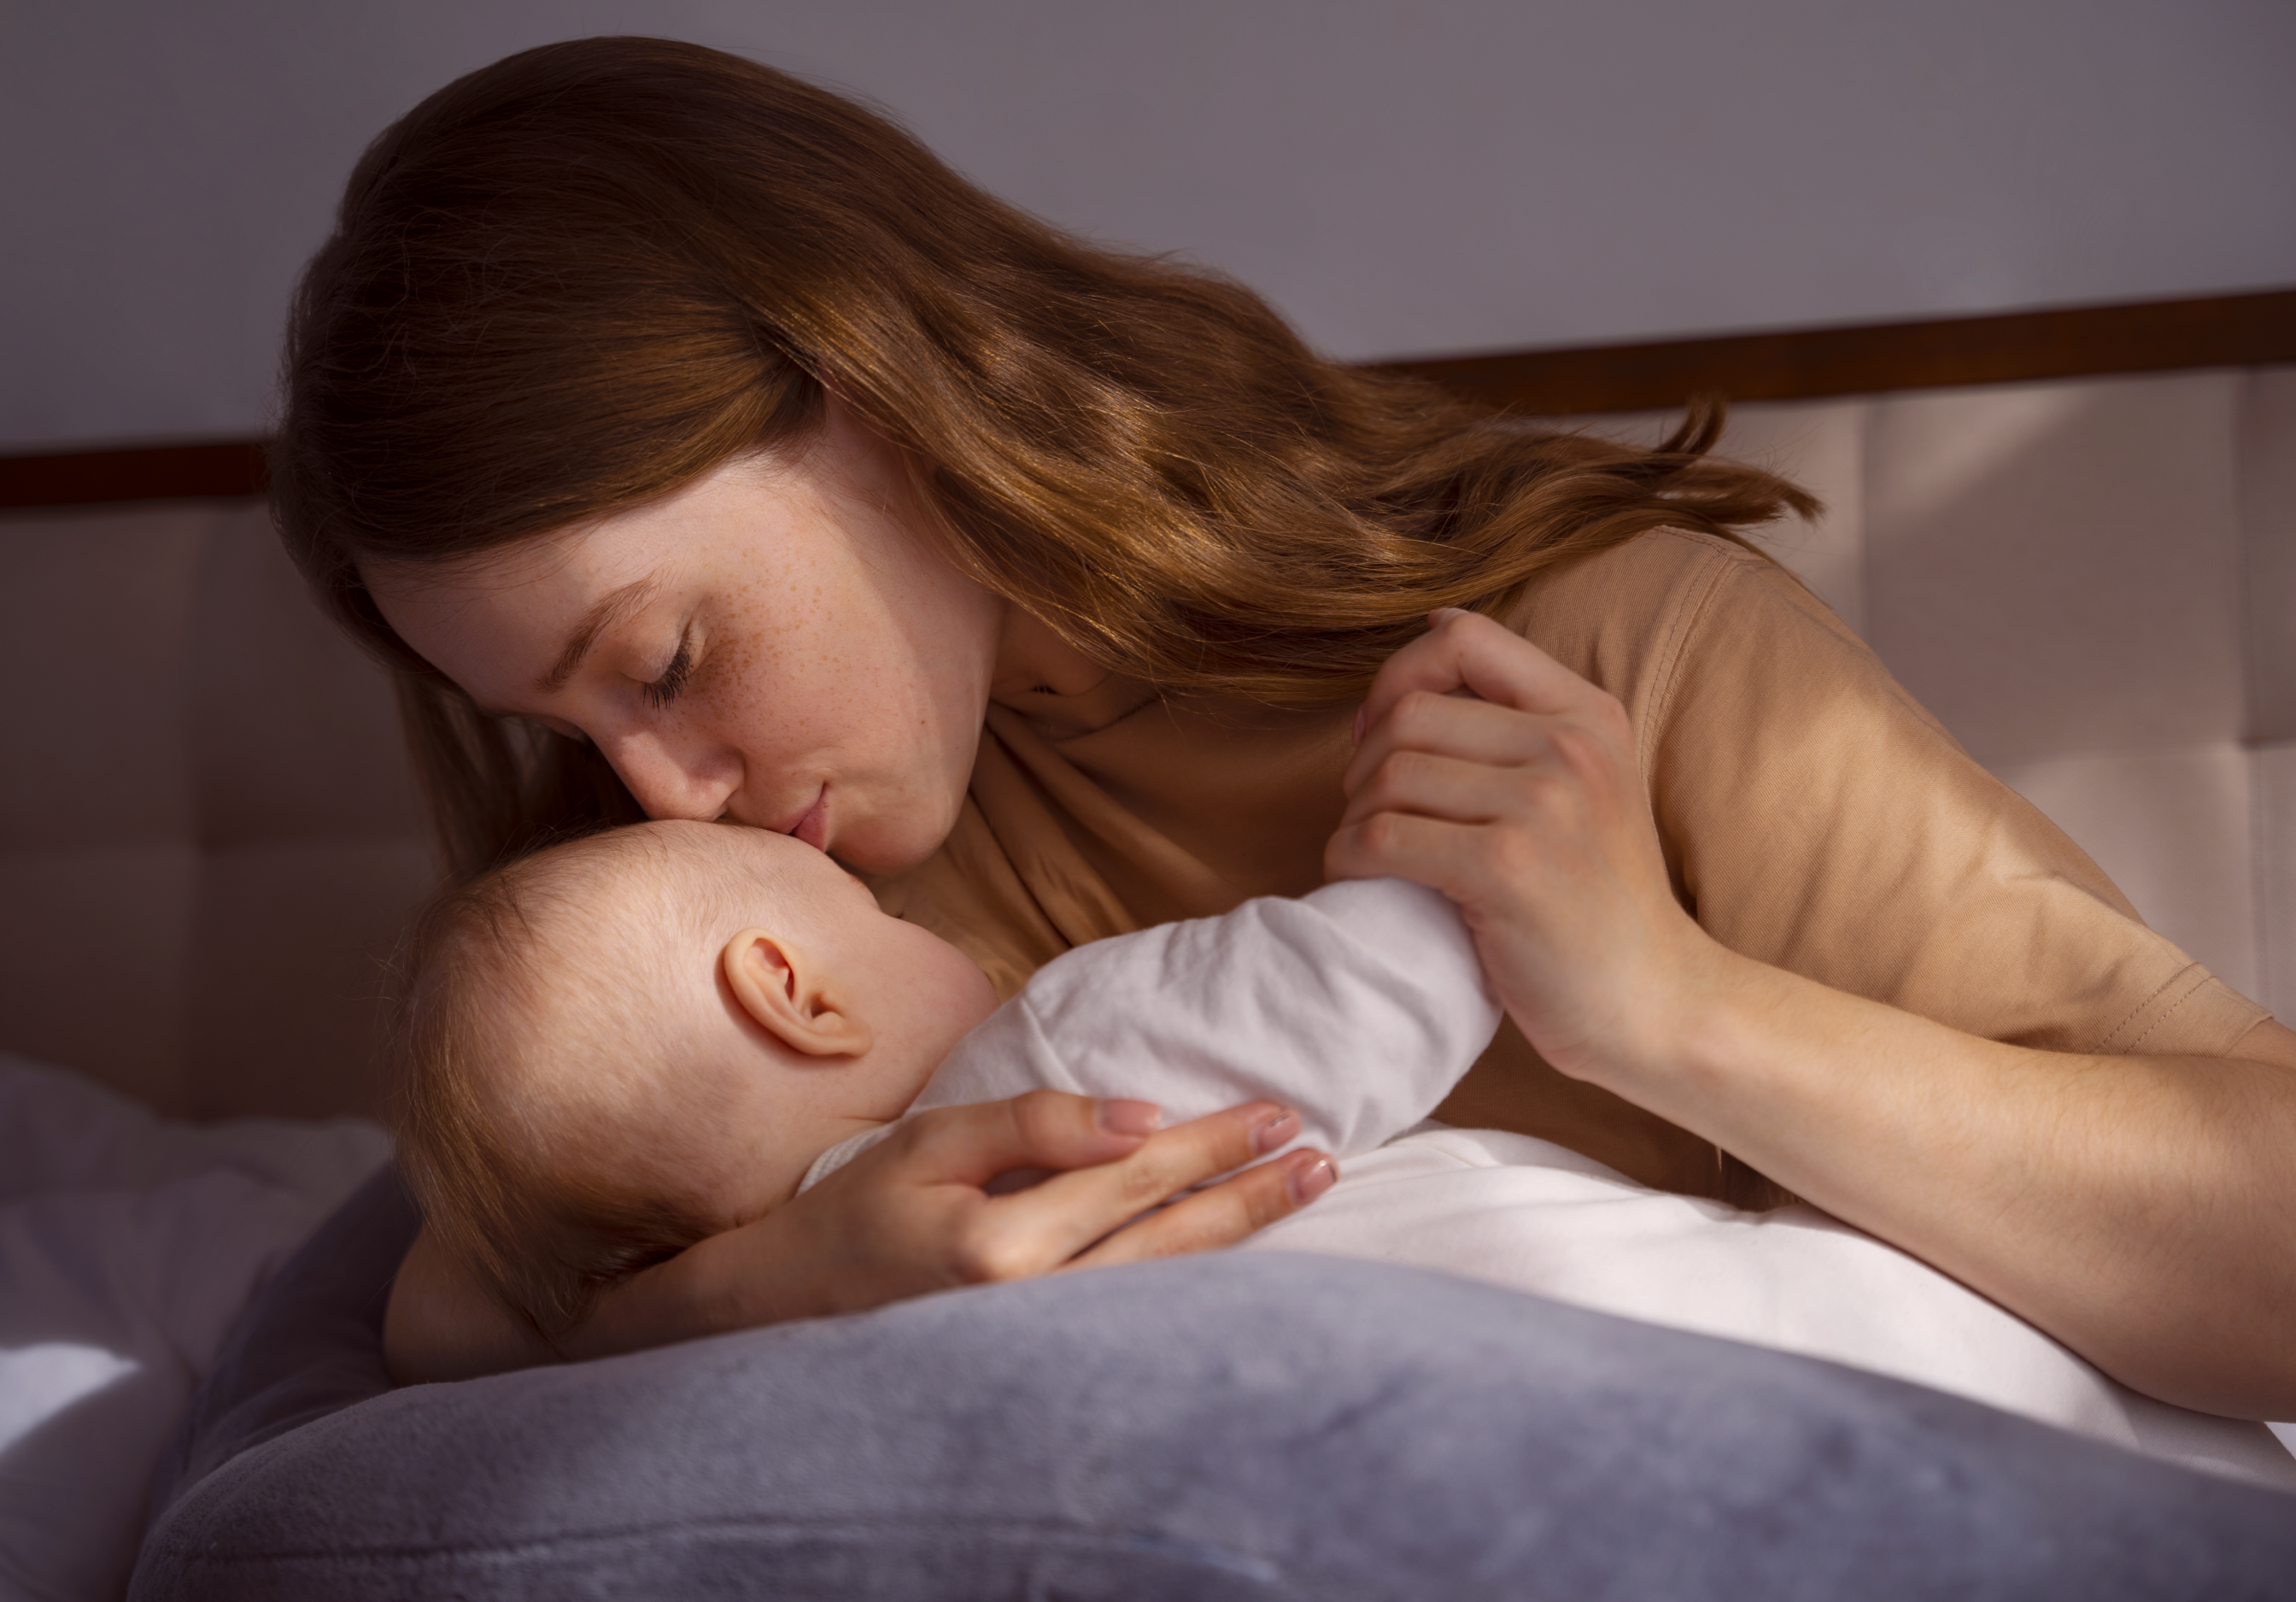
point(912, 1214)
point(2134, 1207)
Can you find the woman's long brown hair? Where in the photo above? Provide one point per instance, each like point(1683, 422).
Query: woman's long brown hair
point(576, 280)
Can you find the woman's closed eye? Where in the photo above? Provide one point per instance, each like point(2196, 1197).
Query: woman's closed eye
point(664, 689)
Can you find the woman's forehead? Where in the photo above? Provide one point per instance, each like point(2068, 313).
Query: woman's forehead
point(551, 564)
point(513, 627)
point(756, 499)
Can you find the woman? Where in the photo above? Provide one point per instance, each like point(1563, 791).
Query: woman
point(706, 425)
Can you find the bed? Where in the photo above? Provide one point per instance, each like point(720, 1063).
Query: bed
point(218, 779)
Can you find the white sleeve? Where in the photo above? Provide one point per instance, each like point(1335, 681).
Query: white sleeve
point(1358, 1005)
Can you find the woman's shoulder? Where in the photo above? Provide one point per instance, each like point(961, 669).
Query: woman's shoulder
point(1627, 617)
point(1647, 585)
point(1816, 816)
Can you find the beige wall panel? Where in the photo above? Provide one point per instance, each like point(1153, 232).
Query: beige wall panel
point(2174, 830)
point(93, 962)
point(1822, 447)
point(2268, 530)
point(1644, 428)
point(296, 734)
point(287, 974)
point(2275, 850)
point(2054, 567)
point(95, 622)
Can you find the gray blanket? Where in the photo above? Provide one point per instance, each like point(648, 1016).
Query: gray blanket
point(1226, 1426)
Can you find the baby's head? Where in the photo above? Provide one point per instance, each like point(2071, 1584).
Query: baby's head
point(618, 1045)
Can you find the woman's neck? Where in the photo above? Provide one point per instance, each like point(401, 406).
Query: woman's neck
point(1062, 692)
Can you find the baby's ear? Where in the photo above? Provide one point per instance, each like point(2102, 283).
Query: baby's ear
point(790, 999)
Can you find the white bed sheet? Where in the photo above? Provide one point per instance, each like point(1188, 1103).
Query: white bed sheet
point(128, 1244)
point(1533, 1216)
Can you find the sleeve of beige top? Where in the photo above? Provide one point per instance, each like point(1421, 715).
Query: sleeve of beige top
point(1818, 818)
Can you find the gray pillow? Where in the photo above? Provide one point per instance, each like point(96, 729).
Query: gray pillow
point(1233, 1425)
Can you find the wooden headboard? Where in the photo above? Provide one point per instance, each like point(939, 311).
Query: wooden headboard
point(2222, 330)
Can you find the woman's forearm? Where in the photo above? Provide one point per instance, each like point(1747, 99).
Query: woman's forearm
point(2141, 1209)
point(440, 1324)
point(2138, 1209)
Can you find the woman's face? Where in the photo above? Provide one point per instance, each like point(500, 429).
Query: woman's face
point(773, 644)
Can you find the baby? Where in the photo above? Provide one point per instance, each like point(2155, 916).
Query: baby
point(621, 1045)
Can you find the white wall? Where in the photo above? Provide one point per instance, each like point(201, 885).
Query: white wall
point(1400, 178)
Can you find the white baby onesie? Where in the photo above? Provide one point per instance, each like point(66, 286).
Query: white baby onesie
point(1359, 1006)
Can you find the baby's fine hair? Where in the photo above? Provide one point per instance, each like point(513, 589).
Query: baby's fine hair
point(539, 968)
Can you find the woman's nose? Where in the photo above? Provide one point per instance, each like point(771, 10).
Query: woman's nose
point(697, 782)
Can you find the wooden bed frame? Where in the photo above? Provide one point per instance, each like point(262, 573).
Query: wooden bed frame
point(2222, 330)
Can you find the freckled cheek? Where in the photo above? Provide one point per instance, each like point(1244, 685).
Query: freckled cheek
point(744, 692)
point(799, 664)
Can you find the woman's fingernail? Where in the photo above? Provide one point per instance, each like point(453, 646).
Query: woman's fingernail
point(1119, 1116)
point(1362, 712)
point(1311, 1176)
point(1278, 1130)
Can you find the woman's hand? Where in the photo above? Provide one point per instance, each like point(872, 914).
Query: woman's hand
point(1488, 770)
point(920, 1211)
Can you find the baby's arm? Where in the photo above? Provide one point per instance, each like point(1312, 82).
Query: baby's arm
point(1359, 1006)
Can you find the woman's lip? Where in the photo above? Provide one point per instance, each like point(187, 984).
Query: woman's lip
point(813, 828)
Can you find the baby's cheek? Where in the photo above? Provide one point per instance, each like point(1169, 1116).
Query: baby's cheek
point(971, 996)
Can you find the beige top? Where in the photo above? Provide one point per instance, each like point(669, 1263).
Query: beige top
point(1812, 816)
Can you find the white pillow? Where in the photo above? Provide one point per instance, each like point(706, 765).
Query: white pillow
point(127, 1245)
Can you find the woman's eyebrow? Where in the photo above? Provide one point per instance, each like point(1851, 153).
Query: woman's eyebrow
point(611, 609)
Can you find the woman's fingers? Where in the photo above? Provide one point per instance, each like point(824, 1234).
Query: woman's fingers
point(1044, 1129)
point(1476, 731)
point(1220, 1216)
point(1052, 1222)
point(1462, 650)
point(1532, 710)
point(1035, 1231)
point(1444, 856)
point(918, 1213)
point(1556, 768)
